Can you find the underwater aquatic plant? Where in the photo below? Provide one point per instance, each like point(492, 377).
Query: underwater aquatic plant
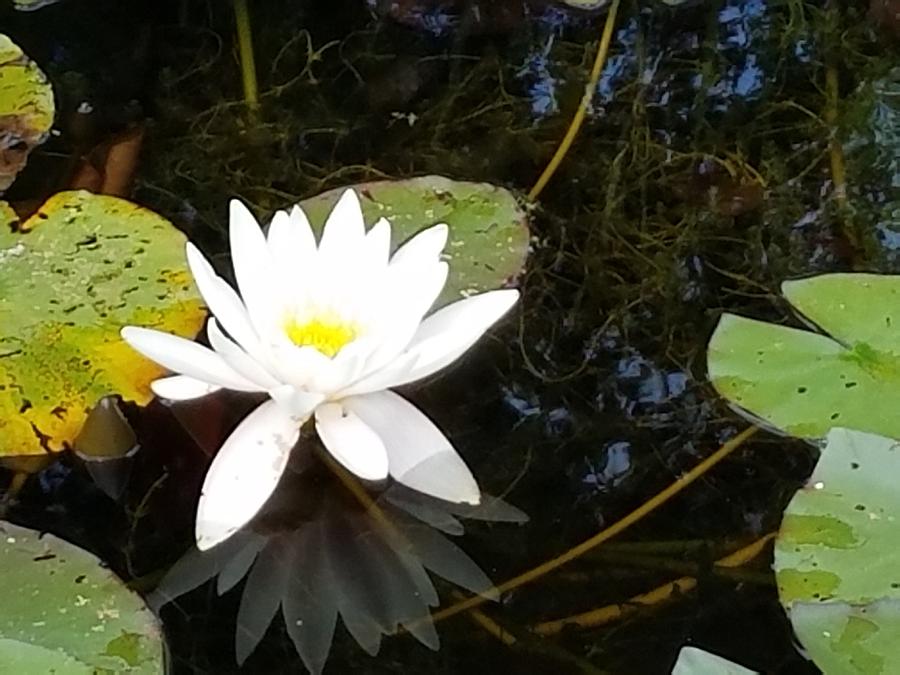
point(316, 553)
point(325, 330)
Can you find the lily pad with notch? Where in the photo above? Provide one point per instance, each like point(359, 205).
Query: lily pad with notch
point(805, 382)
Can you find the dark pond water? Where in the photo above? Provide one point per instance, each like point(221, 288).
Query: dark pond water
point(705, 174)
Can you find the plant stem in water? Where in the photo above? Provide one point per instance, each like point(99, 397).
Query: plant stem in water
point(578, 119)
point(245, 51)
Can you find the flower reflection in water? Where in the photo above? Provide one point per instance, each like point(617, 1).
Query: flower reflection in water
point(317, 553)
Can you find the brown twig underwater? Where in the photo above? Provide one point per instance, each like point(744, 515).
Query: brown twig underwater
point(578, 119)
point(670, 590)
point(622, 524)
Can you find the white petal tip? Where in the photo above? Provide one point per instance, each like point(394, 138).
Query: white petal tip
point(298, 215)
point(443, 475)
point(181, 388)
point(137, 336)
point(240, 215)
point(244, 473)
point(497, 303)
point(195, 257)
point(441, 233)
point(510, 295)
point(212, 537)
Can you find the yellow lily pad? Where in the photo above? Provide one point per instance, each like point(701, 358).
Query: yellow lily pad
point(70, 277)
point(26, 109)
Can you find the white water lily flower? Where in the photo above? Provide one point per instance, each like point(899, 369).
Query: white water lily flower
point(325, 330)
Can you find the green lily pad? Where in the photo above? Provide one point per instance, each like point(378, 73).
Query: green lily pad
point(26, 110)
point(694, 661)
point(803, 382)
point(842, 638)
point(8, 217)
point(489, 235)
point(837, 556)
point(70, 277)
point(64, 612)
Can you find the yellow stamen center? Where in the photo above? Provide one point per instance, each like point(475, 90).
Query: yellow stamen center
point(327, 336)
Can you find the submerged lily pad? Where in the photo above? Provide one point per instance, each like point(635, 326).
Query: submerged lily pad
point(64, 612)
point(804, 382)
point(26, 109)
point(837, 556)
point(489, 236)
point(70, 277)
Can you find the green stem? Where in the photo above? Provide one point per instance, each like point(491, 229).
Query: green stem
point(245, 50)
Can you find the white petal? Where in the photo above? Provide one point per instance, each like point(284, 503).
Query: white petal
point(425, 246)
point(295, 402)
point(378, 243)
point(185, 357)
point(448, 333)
point(181, 388)
point(396, 371)
point(244, 473)
point(351, 442)
point(336, 375)
point(254, 271)
point(354, 284)
point(292, 244)
point(238, 359)
point(308, 368)
point(222, 300)
point(419, 455)
point(303, 230)
point(474, 314)
point(346, 367)
point(413, 290)
point(344, 230)
point(300, 366)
